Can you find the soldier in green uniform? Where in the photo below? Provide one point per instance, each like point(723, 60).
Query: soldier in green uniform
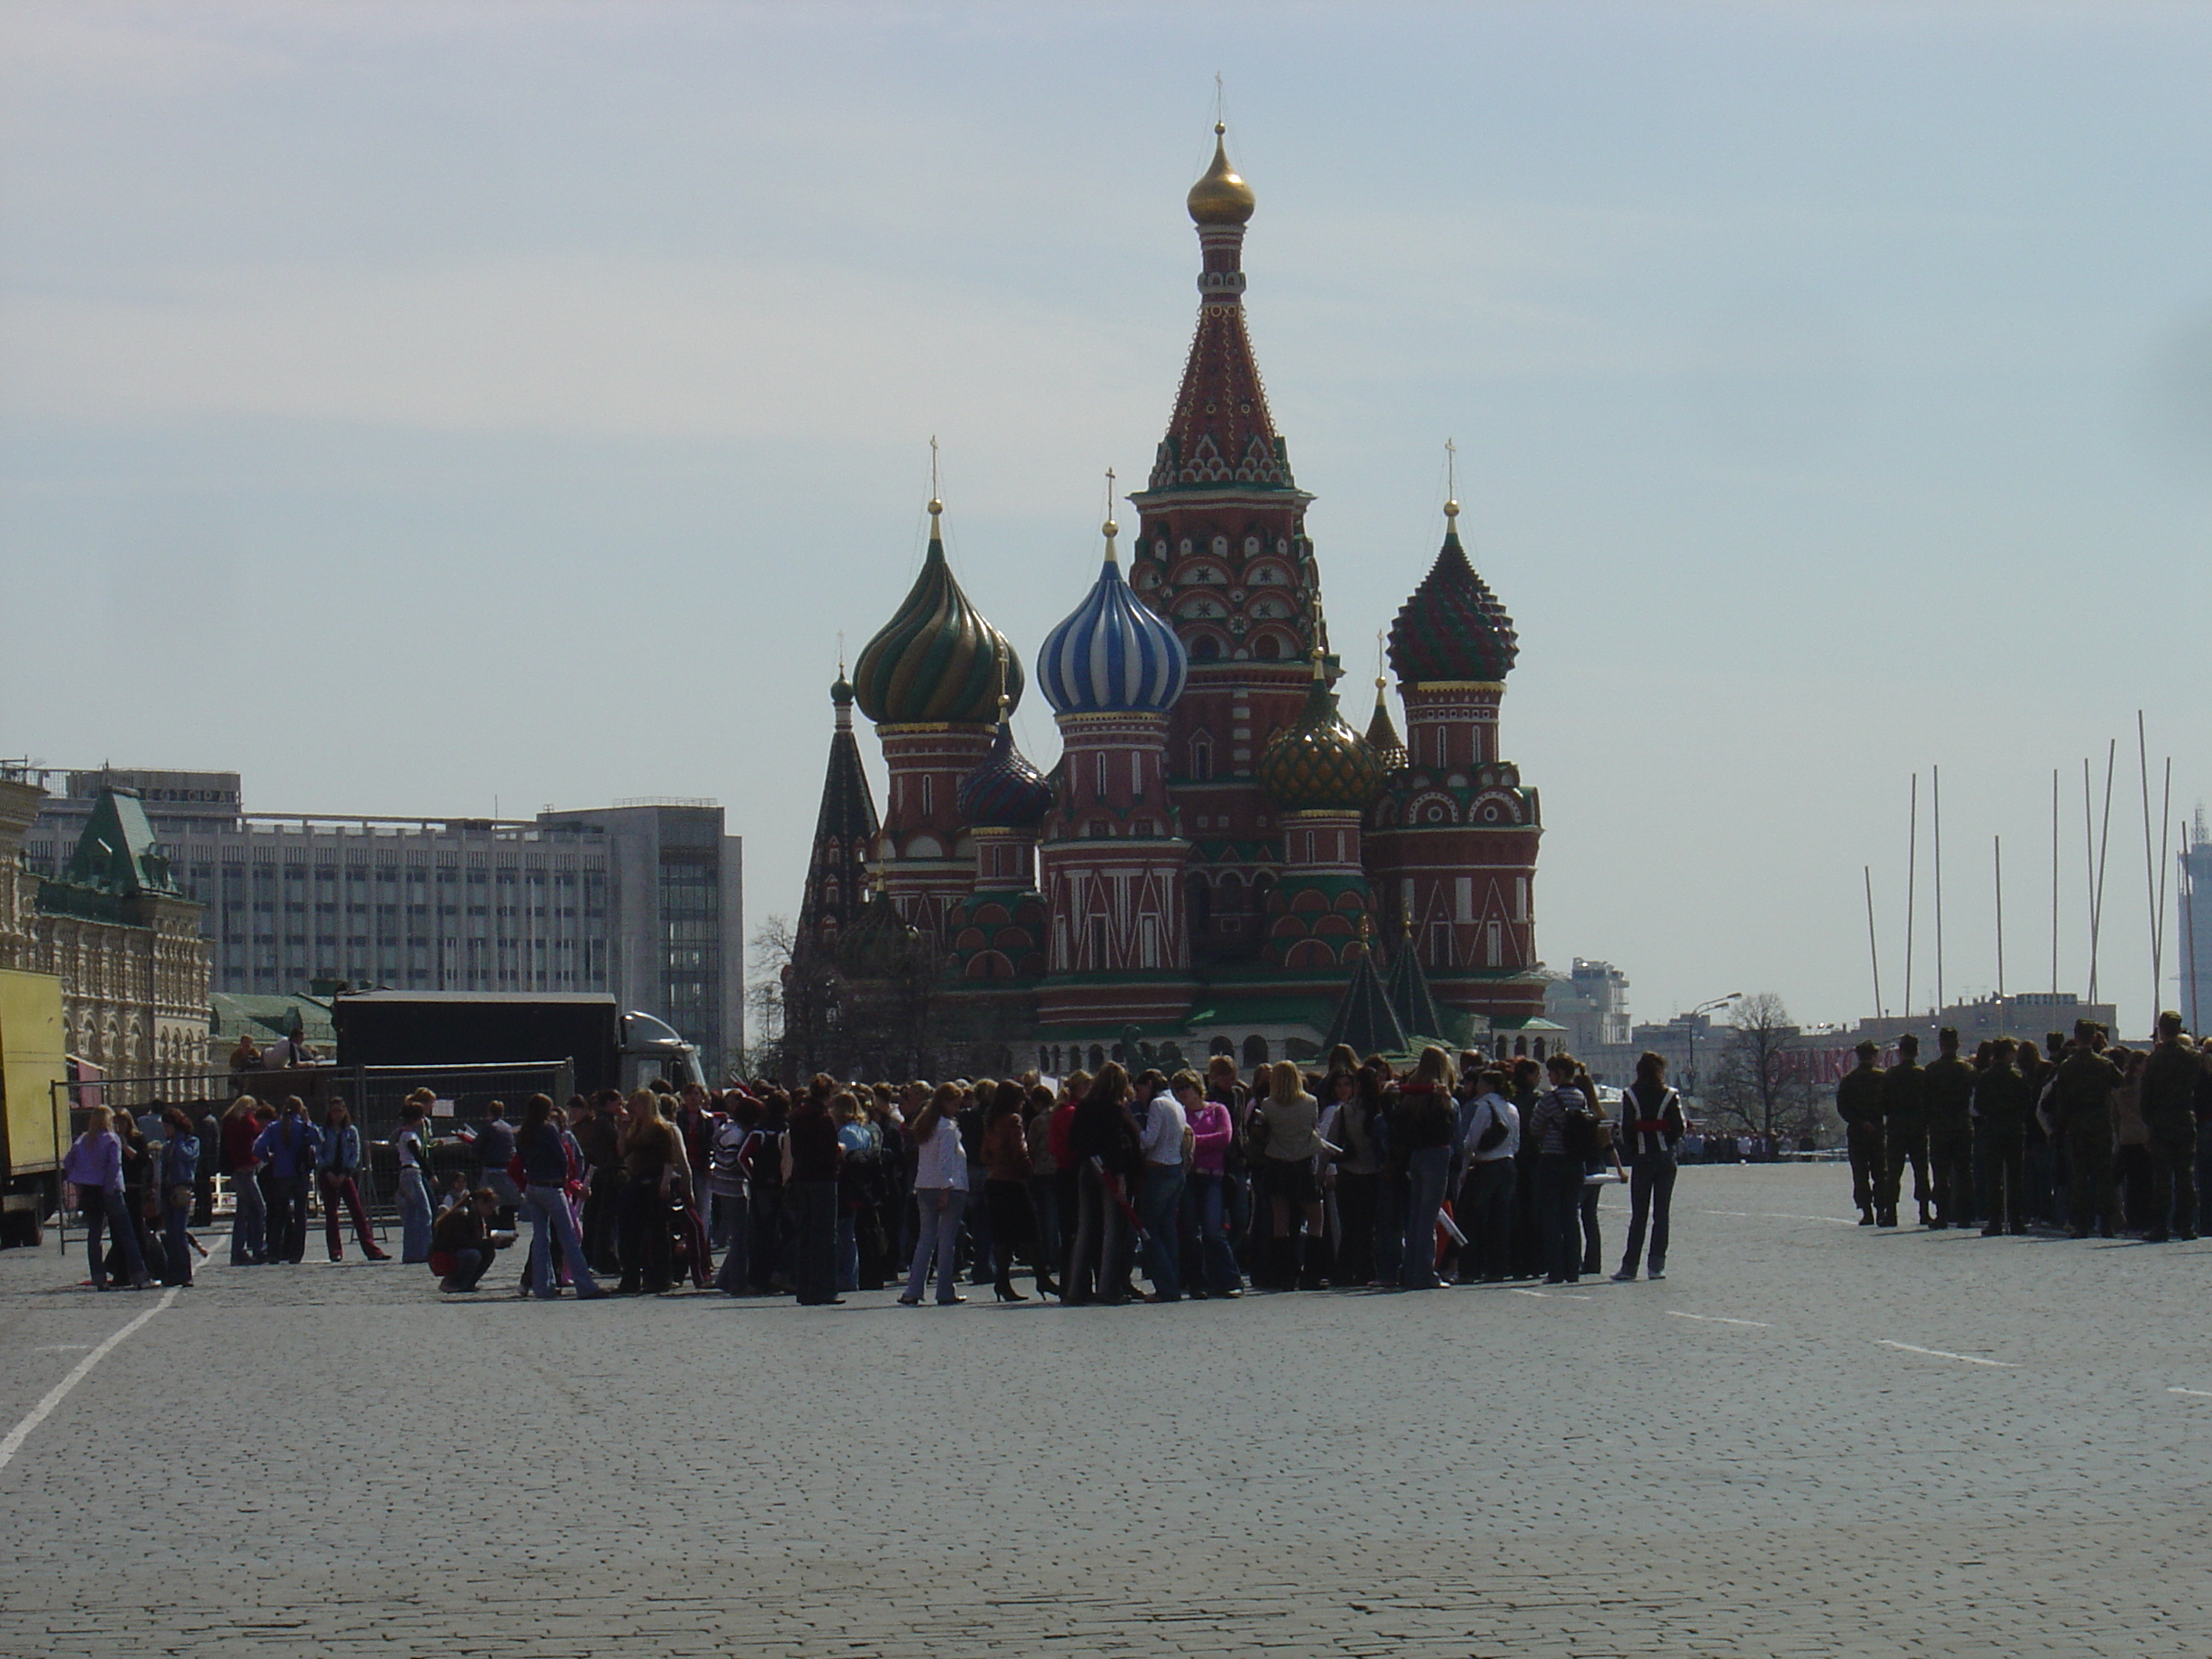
point(2169, 1109)
point(1904, 1130)
point(2002, 1102)
point(1858, 1102)
point(1949, 1088)
point(2081, 1109)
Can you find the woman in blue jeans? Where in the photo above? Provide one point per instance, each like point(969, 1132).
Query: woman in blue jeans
point(1652, 1123)
point(94, 1166)
point(1214, 1264)
point(940, 1193)
point(414, 1190)
point(546, 1174)
point(1559, 1192)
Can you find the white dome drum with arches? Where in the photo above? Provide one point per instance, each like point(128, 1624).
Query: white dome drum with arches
point(1114, 655)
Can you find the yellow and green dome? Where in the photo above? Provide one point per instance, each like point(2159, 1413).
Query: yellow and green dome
point(1317, 762)
point(937, 660)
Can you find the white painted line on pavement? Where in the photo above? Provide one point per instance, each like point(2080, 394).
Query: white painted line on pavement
point(1539, 1295)
point(1770, 1215)
point(1719, 1318)
point(2194, 1394)
point(61, 1347)
point(78, 1372)
point(1938, 1353)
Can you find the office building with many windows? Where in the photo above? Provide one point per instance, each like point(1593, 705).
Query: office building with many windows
point(641, 900)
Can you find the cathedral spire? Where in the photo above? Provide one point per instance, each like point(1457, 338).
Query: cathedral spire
point(844, 834)
point(1221, 435)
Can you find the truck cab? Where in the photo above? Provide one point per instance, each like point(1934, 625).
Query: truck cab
point(651, 1048)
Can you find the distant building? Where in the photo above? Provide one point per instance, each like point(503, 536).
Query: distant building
point(1691, 1044)
point(2029, 1016)
point(109, 921)
point(640, 900)
point(1590, 1005)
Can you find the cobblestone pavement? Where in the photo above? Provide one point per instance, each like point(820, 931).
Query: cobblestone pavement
point(1812, 1439)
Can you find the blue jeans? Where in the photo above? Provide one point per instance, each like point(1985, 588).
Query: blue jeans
point(939, 1235)
point(1485, 1216)
point(1202, 1199)
point(176, 1240)
point(287, 1224)
point(110, 1212)
point(979, 1229)
point(735, 1277)
point(551, 1219)
point(849, 1248)
point(1389, 1227)
point(413, 1217)
point(1426, 1168)
point(1559, 1211)
point(1162, 1207)
point(814, 1205)
point(1650, 1191)
point(249, 1240)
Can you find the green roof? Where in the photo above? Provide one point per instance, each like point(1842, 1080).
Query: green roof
point(266, 1019)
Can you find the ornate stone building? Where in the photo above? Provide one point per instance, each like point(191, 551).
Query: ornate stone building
point(115, 930)
point(1219, 861)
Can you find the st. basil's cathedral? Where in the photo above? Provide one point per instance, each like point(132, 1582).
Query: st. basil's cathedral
point(1219, 862)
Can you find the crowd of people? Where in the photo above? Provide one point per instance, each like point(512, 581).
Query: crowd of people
point(2078, 1134)
point(1202, 1184)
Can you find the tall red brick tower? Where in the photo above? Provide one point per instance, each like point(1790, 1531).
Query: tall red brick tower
point(1451, 846)
point(1222, 553)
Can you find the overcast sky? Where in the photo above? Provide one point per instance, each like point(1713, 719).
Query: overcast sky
point(420, 407)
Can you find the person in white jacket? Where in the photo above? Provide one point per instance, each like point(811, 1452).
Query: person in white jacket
point(940, 1192)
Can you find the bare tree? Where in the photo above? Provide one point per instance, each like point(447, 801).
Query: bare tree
point(1762, 1084)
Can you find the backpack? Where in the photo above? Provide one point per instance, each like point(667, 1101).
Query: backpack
point(1585, 1134)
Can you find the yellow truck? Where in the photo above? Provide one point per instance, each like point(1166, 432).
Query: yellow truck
point(33, 1131)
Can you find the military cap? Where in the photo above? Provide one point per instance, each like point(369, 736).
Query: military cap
point(2085, 1028)
point(1948, 1033)
point(1869, 1045)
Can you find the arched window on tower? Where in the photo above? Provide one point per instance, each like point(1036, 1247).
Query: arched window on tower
point(1201, 757)
point(1255, 1051)
point(1266, 647)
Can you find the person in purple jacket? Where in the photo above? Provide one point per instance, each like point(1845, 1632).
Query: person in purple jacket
point(94, 1167)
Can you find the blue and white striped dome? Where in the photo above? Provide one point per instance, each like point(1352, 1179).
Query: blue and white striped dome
point(1114, 655)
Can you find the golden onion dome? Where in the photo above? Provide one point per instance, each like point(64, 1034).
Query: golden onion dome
point(936, 660)
point(1317, 762)
point(1221, 198)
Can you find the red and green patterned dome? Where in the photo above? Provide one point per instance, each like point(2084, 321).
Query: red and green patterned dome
point(1317, 762)
point(1452, 627)
point(937, 660)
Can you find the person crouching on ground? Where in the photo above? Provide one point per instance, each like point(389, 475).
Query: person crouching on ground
point(462, 1242)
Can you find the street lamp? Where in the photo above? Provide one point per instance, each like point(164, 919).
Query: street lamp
point(1690, 1083)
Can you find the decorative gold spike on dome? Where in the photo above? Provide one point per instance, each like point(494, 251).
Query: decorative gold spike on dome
point(936, 660)
point(1220, 197)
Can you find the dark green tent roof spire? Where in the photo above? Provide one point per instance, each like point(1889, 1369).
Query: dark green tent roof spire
point(1364, 1018)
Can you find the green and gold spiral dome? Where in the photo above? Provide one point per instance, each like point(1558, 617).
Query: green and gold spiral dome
point(1317, 762)
point(937, 660)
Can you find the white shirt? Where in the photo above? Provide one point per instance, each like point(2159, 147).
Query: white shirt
point(941, 1161)
point(1165, 1123)
point(1493, 1107)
